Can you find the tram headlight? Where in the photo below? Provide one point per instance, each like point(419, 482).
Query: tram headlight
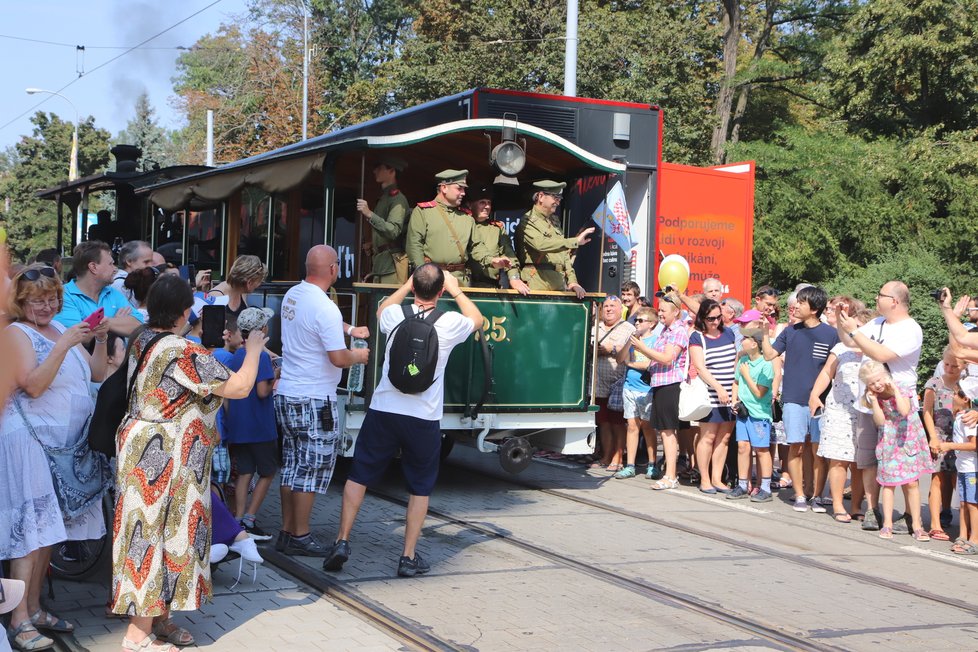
point(508, 158)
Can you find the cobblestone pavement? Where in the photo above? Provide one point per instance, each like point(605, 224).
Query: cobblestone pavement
point(803, 574)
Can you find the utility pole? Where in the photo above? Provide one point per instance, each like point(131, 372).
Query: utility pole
point(570, 51)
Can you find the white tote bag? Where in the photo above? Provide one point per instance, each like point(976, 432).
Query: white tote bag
point(694, 400)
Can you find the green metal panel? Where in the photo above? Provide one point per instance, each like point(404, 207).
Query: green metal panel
point(539, 346)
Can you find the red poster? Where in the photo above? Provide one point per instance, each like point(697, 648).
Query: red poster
point(707, 216)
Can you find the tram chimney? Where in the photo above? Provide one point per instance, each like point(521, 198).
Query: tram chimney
point(126, 157)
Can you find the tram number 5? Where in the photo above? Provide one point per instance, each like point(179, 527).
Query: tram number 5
point(495, 330)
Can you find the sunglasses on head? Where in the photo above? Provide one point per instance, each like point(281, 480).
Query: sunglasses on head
point(36, 273)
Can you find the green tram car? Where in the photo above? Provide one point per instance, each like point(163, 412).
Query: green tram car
point(528, 381)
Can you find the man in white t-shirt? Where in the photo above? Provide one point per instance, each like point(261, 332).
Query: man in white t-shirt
point(894, 339)
point(409, 423)
point(313, 354)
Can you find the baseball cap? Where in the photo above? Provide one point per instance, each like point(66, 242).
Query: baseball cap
point(11, 593)
point(969, 385)
point(252, 319)
point(748, 316)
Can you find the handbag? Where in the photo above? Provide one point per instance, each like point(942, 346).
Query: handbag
point(694, 400)
point(79, 474)
point(112, 401)
point(615, 400)
point(401, 262)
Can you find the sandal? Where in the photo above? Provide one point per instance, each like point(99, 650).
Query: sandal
point(965, 548)
point(614, 468)
point(842, 517)
point(148, 643)
point(665, 483)
point(920, 535)
point(785, 483)
point(939, 535)
point(23, 641)
point(167, 630)
point(44, 620)
point(886, 533)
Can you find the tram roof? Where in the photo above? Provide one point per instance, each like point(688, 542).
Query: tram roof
point(459, 144)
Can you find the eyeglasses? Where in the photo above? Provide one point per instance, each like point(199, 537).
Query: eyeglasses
point(887, 296)
point(36, 273)
point(641, 320)
point(41, 304)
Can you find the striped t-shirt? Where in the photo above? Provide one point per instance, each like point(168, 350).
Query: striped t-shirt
point(720, 355)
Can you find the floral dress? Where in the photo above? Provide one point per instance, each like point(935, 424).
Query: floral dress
point(838, 427)
point(943, 418)
point(902, 452)
point(162, 529)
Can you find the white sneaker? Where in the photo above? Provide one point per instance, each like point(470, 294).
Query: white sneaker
point(817, 506)
point(248, 550)
point(218, 552)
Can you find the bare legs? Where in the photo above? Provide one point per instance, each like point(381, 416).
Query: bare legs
point(296, 509)
point(837, 486)
point(670, 448)
point(417, 510)
point(711, 452)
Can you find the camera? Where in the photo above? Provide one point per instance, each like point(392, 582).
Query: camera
point(938, 295)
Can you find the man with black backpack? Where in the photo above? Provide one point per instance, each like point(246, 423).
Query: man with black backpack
point(406, 408)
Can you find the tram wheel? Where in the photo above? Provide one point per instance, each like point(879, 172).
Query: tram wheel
point(515, 454)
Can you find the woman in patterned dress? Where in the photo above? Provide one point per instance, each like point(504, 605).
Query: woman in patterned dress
point(51, 403)
point(161, 534)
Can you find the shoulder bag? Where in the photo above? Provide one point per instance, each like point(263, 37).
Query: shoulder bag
point(694, 397)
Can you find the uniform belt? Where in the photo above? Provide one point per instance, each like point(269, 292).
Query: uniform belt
point(547, 267)
point(391, 247)
point(448, 267)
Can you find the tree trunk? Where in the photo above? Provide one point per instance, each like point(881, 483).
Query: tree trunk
point(763, 42)
point(731, 39)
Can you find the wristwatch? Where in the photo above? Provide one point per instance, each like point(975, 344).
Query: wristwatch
point(852, 335)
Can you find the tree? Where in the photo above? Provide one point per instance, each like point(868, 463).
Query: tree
point(42, 162)
point(144, 132)
point(900, 67)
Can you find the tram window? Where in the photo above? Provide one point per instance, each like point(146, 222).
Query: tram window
point(253, 233)
point(312, 226)
point(204, 238)
point(279, 267)
point(168, 235)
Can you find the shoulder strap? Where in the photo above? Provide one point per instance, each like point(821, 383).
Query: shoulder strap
point(408, 313)
point(142, 358)
point(451, 229)
point(610, 331)
point(433, 315)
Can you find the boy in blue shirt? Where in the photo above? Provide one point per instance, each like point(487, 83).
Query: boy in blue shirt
point(636, 400)
point(753, 379)
point(250, 427)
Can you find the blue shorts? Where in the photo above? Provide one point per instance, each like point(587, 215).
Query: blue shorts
point(968, 487)
point(637, 403)
point(756, 431)
point(799, 426)
point(720, 414)
point(382, 435)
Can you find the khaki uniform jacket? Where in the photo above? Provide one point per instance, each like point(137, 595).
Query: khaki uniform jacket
point(429, 238)
point(489, 240)
point(387, 221)
point(539, 241)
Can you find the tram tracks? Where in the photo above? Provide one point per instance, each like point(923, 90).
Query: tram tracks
point(412, 635)
point(716, 537)
point(778, 636)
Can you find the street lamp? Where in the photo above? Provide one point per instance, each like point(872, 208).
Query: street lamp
point(73, 164)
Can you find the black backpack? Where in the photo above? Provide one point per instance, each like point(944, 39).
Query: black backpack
point(413, 354)
point(112, 401)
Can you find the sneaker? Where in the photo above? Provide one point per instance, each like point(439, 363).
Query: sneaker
point(871, 520)
point(801, 504)
point(282, 540)
point(256, 532)
point(306, 546)
point(900, 525)
point(407, 567)
point(817, 505)
point(761, 497)
point(339, 552)
point(248, 550)
point(627, 471)
point(737, 493)
point(218, 552)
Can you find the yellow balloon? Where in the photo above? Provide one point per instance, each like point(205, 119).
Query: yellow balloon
point(674, 274)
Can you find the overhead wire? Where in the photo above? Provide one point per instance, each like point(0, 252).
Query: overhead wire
point(113, 59)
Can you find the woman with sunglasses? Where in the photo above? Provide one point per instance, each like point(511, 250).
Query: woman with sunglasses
point(713, 352)
point(50, 406)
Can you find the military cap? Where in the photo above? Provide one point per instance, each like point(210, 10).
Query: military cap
point(478, 192)
point(392, 161)
point(550, 187)
point(452, 176)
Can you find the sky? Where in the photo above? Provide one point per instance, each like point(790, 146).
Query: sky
point(109, 93)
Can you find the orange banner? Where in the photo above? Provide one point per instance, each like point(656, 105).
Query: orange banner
point(706, 215)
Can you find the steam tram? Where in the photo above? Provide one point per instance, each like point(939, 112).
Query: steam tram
point(528, 380)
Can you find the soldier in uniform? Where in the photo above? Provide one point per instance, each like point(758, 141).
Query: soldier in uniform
point(492, 250)
point(544, 253)
point(439, 231)
point(387, 221)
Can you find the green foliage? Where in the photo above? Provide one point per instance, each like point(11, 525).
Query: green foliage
point(42, 162)
point(144, 132)
point(923, 272)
